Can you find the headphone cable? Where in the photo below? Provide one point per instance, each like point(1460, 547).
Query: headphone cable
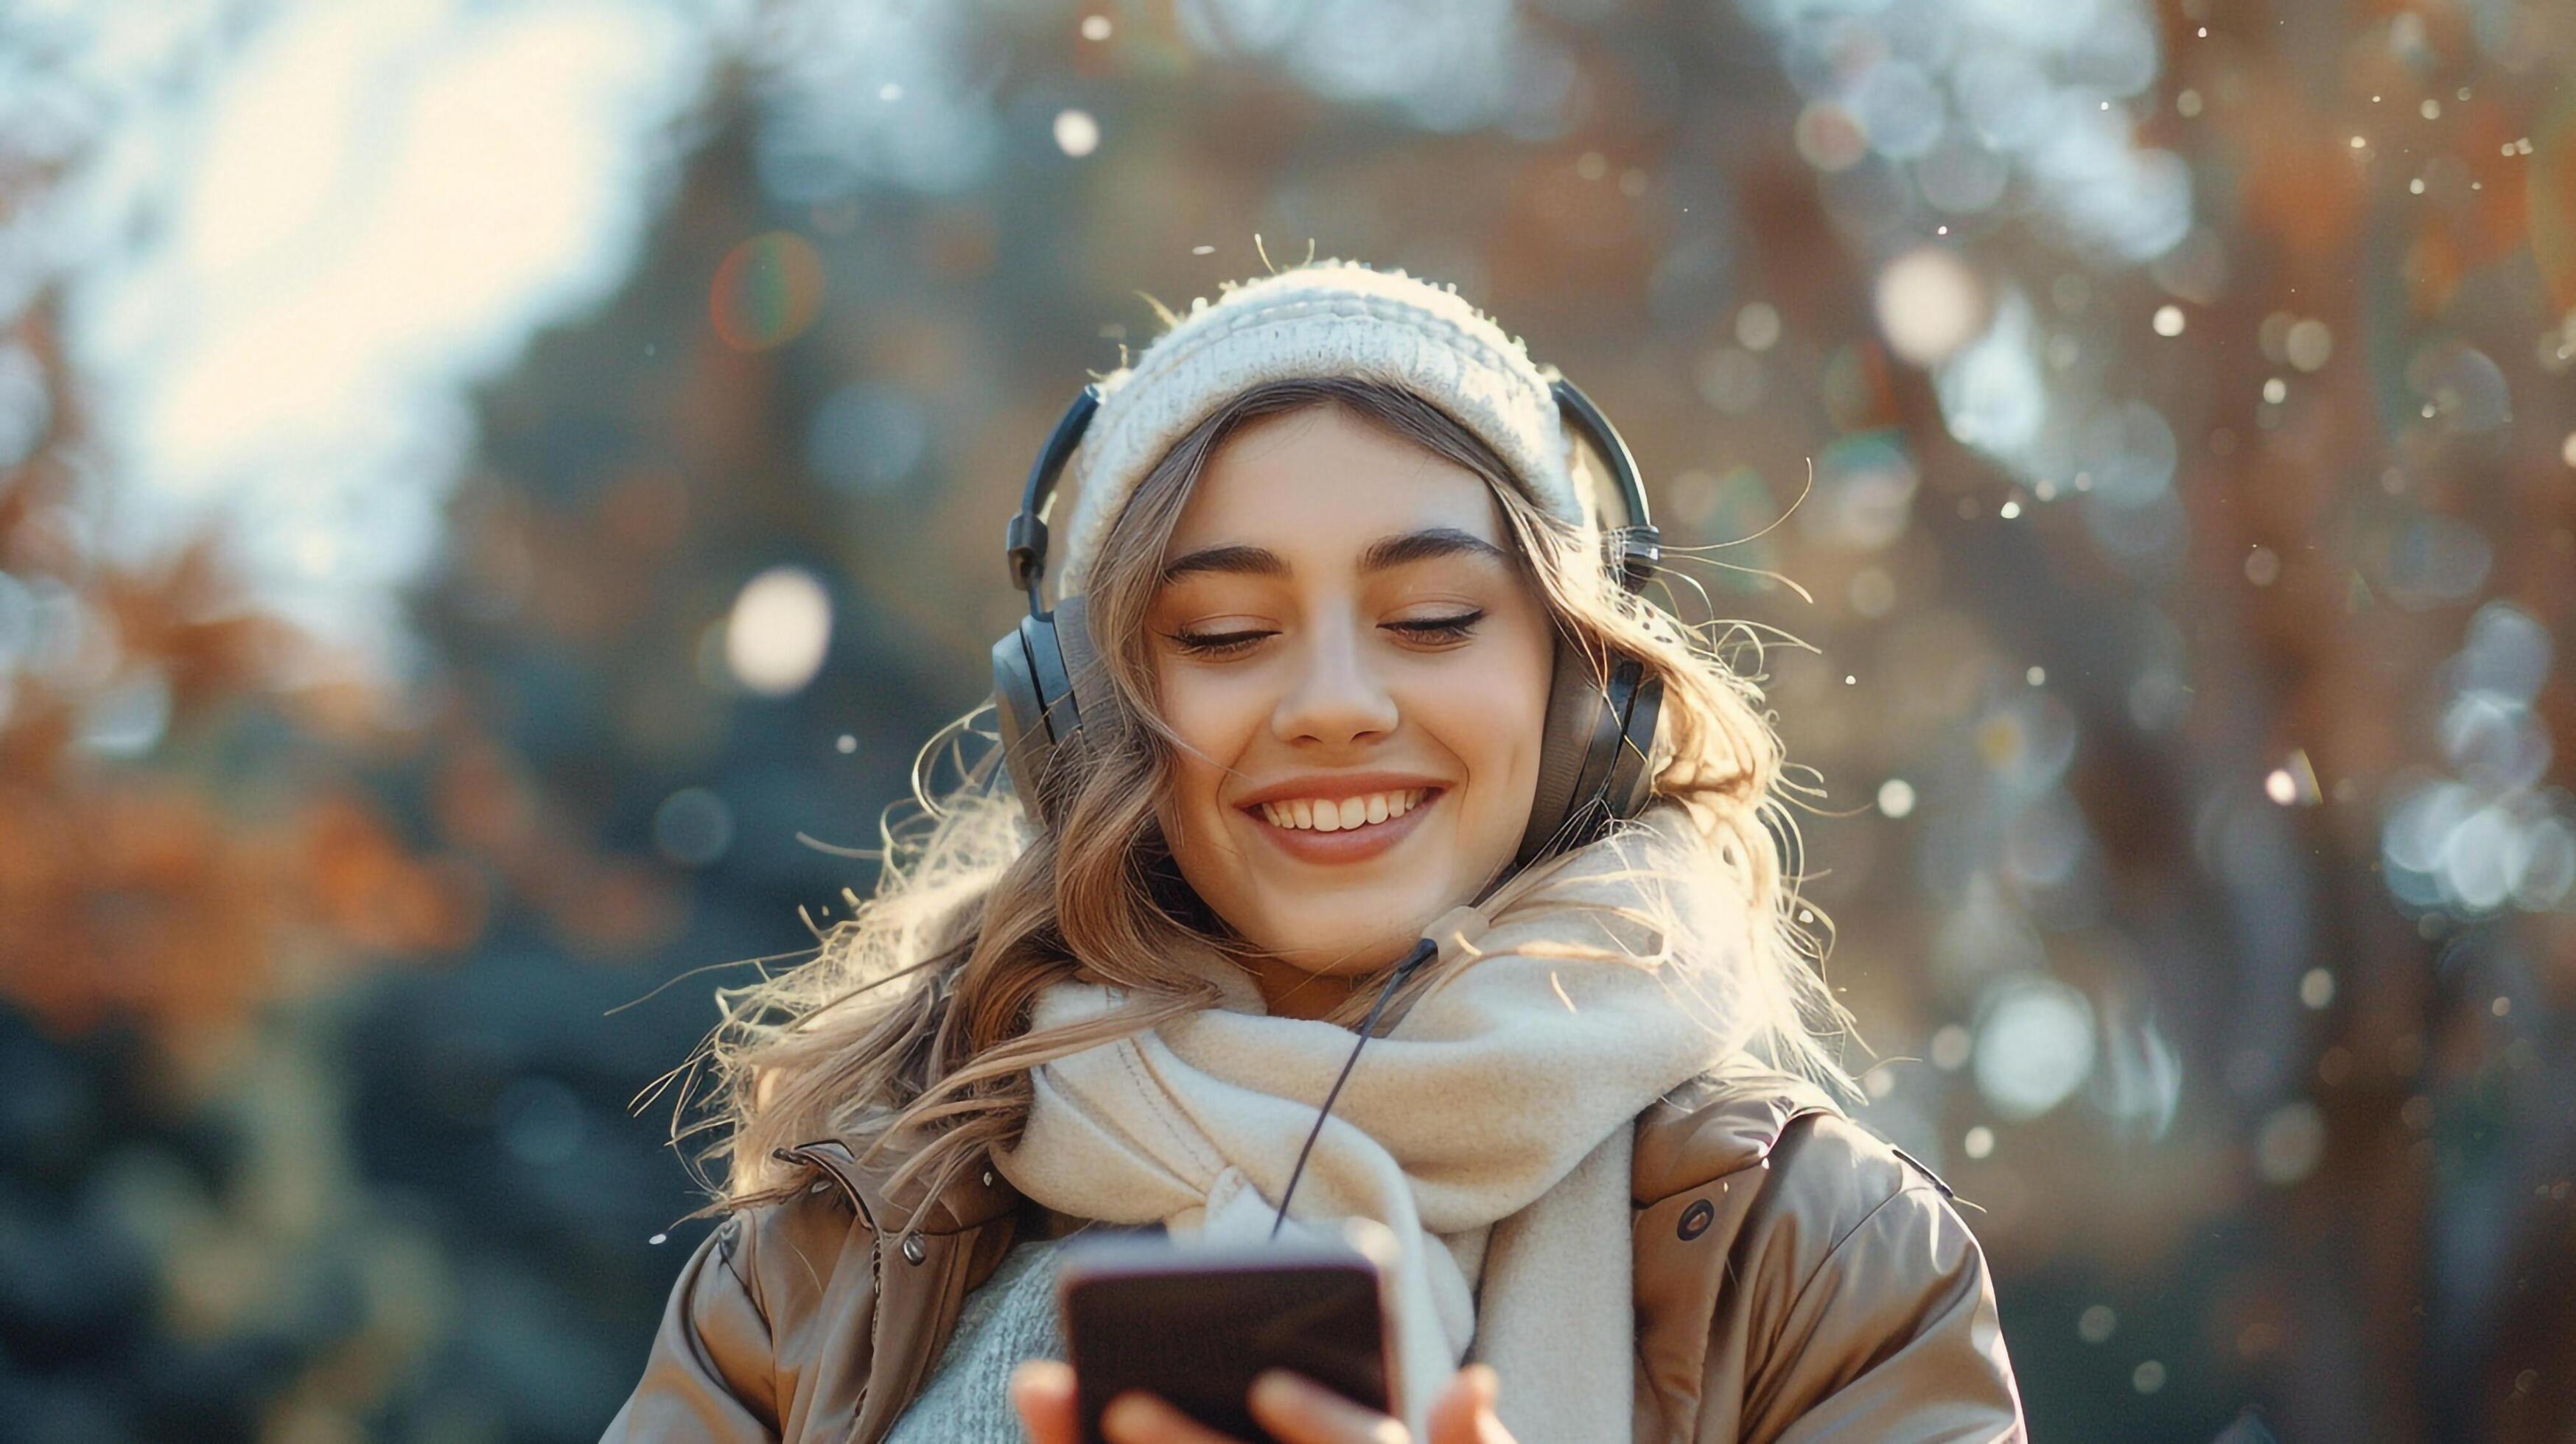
point(1423, 952)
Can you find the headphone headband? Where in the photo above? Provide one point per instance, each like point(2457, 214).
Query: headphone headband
point(1026, 541)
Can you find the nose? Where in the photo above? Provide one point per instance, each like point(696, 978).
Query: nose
point(1336, 696)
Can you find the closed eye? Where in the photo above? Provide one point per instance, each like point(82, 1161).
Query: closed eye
point(1441, 629)
point(1215, 644)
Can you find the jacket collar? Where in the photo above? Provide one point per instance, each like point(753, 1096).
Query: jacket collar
point(975, 1196)
point(1726, 1119)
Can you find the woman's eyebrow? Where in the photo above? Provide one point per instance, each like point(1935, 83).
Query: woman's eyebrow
point(1229, 560)
point(1415, 546)
point(1385, 552)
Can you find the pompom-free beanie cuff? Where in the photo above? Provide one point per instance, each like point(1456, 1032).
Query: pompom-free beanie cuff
point(1326, 318)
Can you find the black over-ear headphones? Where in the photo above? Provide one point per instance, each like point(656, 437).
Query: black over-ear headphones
point(1593, 757)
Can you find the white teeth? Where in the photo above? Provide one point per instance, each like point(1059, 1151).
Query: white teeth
point(1320, 814)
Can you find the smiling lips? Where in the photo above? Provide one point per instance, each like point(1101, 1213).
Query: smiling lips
point(1337, 830)
point(1324, 814)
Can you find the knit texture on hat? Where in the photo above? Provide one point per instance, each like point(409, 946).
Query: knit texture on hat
point(1325, 318)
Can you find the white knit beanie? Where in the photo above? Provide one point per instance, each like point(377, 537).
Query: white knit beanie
point(1324, 318)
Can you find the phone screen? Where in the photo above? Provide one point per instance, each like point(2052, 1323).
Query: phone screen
point(1195, 1322)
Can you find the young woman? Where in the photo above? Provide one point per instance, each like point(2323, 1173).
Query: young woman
point(1353, 654)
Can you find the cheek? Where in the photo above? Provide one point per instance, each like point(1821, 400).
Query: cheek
point(1211, 711)
point(1494, 717)
point(1214, 723)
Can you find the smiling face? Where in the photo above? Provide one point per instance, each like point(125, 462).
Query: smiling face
point(1358, 666)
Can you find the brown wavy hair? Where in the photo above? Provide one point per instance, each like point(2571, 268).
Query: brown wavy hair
point(907, 1031)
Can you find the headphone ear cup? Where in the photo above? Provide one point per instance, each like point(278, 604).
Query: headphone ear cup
point(1086, 680)
point(1576, 711)
point(1028, 677)
point(1632, 778)
point(1593, 759)
point(1046, 677)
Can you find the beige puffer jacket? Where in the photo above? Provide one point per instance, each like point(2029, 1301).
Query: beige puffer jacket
point(1796, 1279)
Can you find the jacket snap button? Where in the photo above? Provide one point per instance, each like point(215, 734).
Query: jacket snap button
point(1696, 1219)
point(913, 1252)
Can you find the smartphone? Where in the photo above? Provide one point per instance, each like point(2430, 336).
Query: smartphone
point(1195, 1322)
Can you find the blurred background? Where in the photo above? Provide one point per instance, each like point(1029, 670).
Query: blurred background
point(493, 495)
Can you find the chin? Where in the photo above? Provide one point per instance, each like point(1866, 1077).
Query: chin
point(1393, 924)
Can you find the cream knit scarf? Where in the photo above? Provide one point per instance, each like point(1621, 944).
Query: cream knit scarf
point(1489, 1128)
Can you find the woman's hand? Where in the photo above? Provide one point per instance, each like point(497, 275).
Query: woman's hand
point(1295, 1409)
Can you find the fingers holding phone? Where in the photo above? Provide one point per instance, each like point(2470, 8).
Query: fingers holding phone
point(1292, 1409)
point(1300, 1411)
point(1042, 1392)
point(1276, 1341)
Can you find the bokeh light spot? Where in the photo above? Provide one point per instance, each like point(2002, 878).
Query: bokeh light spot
point(1896, 797)
point(1757, 328)
point(1864, 494)
point(767, 291)
point(693, 827)
point(1076, 133)
point(2290, 1143)
point(1830, 138)
point(2034, 1047)
point(2316, 988)
point(2096, 1324)
point(778, 630)
point(1930, 304)
point(2309, 344)
point(2169, 320)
